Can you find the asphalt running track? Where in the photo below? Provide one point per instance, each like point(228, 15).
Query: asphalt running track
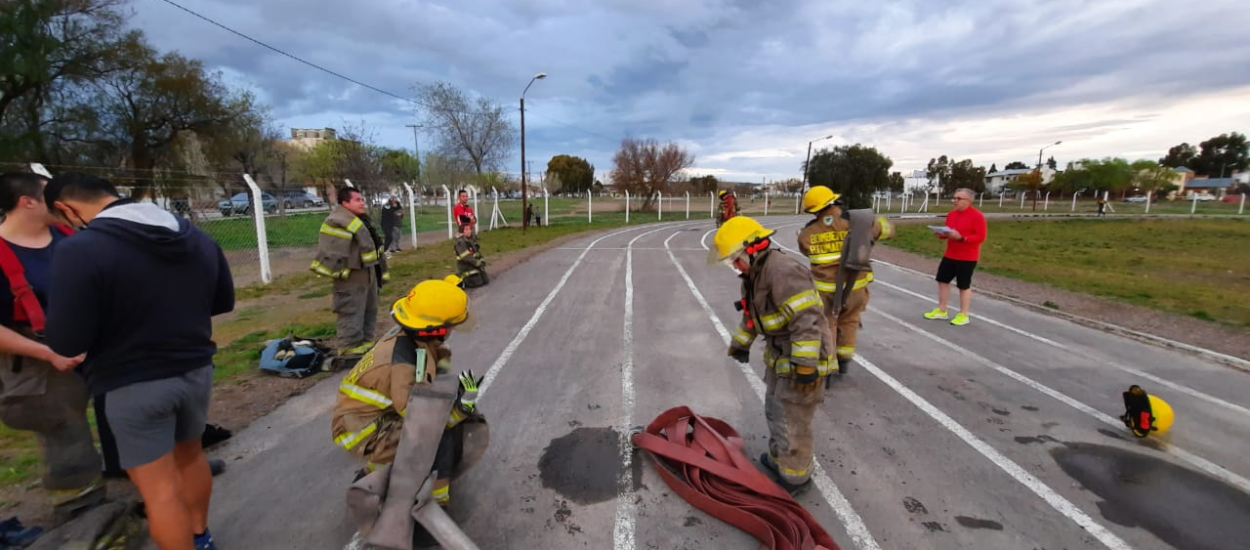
point(998, 435)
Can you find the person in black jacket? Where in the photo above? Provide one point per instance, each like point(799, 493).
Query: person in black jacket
point(136, 291)
point(392, 215)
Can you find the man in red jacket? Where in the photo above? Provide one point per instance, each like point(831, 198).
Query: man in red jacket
point(963, 248)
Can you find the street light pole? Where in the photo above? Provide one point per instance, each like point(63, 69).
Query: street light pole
point(1039, 172)
point(806, 166)
point(525, 221)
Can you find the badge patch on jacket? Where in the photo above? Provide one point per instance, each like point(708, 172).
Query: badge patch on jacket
point(828, 220)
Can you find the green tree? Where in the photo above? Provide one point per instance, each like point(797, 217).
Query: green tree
point(1052, 164)
point(1151, 177)
point(964, 174)
point(575, 174)
point(705, 184)
point(399, 165)
point(896, 182)
point(1223, 155)
point(1031, 181)
point(49, 51)
point(939, 172)
point(1016, 165)
point(993, 167)
point(1181, 155)
point(854, 171)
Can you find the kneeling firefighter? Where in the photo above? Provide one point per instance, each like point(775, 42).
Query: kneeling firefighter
point(470, 266)
point(382, 413)
point(838, 244)
point(780, 303)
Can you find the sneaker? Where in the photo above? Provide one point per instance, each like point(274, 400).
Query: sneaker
point(936, 314)
point(216, 466)
point(205, 541)
point(960, 320)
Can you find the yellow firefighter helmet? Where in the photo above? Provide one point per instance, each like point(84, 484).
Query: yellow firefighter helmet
point(1146, 414)
point(818, 198)
point(736, 235)
point(721, 193)
point(433, 304)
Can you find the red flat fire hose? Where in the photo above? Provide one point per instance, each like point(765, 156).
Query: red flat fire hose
point(700, 458)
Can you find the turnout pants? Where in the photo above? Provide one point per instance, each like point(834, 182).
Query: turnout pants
point(356, 303)
point(845, 325)
point(36, 397)
point(789, 413)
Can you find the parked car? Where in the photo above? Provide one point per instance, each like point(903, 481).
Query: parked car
point(242, 203)
point(1138, 198)
point(1231, 198)
point(301, 199)
point(1202, 197)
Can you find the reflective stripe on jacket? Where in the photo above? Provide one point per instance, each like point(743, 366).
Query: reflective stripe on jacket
point(821, 240)
point(343, 244)
point(788, 312)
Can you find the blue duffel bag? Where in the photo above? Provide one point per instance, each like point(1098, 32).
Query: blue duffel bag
point(306, 360)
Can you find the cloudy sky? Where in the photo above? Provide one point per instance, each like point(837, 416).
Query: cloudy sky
point(746, 84)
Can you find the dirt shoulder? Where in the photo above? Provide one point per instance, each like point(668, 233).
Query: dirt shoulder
point(1188, 330)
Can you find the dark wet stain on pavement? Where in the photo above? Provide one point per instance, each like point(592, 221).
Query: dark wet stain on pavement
point(583, 466)
point(1030, 408)
point(978, 523)
point(933, 526)
point(1001, 412)
point(914, 506)
point(1183, 508)
point(1039, 439)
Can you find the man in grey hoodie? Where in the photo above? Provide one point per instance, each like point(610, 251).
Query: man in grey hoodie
point(135, 291)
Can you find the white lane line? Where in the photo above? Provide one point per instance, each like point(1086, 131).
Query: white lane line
point(851, 520)
point(703, 241)
point(626, 511)
point(1055, 500)
point(1201, 463)
point(358, 542)
point(1136, 372)
point(538, 313)
point(1244, 364)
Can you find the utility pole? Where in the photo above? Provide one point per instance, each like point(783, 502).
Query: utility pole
point(803, 188)
point(416, 143)
point(525, 222)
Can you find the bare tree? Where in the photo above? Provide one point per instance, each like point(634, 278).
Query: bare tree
point(645, 168)
point(465, 126)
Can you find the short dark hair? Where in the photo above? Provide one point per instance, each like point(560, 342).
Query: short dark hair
point(15, 185)
point(345, 194)
point(462, 192)
point(78, 187)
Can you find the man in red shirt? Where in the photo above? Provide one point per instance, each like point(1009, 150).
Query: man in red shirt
point(463, 213)
point(963, 249)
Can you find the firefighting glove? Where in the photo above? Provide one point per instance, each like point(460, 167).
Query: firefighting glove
point(740, 355)
point(805, 376)
point(468, 390)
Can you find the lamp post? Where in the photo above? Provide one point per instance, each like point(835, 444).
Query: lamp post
point(809, 161)
point(524, 181)
point(1039, 172)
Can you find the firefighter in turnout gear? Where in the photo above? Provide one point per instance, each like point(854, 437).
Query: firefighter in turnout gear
point(470, 266)
point(728, 206)
point(823, 240)
point(370, 409)
point(349, 251)
point(779, 303)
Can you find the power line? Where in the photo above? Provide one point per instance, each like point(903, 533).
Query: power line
point(353, 80)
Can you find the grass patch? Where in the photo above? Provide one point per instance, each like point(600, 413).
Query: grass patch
point(1185, 266)
point(315, 294)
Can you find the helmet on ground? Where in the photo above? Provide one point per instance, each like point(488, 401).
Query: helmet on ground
point(1146, 414)
point(738, 234)
point(432, 305)
point(818, 198)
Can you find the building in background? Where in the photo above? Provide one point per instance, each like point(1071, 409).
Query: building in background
point(306, 138)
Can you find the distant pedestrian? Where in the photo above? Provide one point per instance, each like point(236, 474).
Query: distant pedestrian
point(1102, 207)
point(136, 293)
point(966, 231)
point(463, 211)
point(392, 215)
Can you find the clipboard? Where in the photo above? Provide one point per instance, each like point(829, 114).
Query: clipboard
point(940, 229)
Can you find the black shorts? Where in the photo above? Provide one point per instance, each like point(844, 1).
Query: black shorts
point(959, 270)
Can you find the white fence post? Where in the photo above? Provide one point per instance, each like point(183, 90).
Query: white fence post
point(981, 199)
point(687, 205)
point(476, 210)
point(1148, 197)
point(1022, 196)
point(412, 213)
point(711, 207)
point(889, 200)
point(1046, 206)
point(546, 210)
point(1242, 208)
point(627, 206)
point(798, 201)
point(1001, 194)
point(449, 224)
point(349, 183)
point(1194, 207)
point(1074, 195)
point(262, 241)
point(590, 207)
point(659, 209)
point(766, 203)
